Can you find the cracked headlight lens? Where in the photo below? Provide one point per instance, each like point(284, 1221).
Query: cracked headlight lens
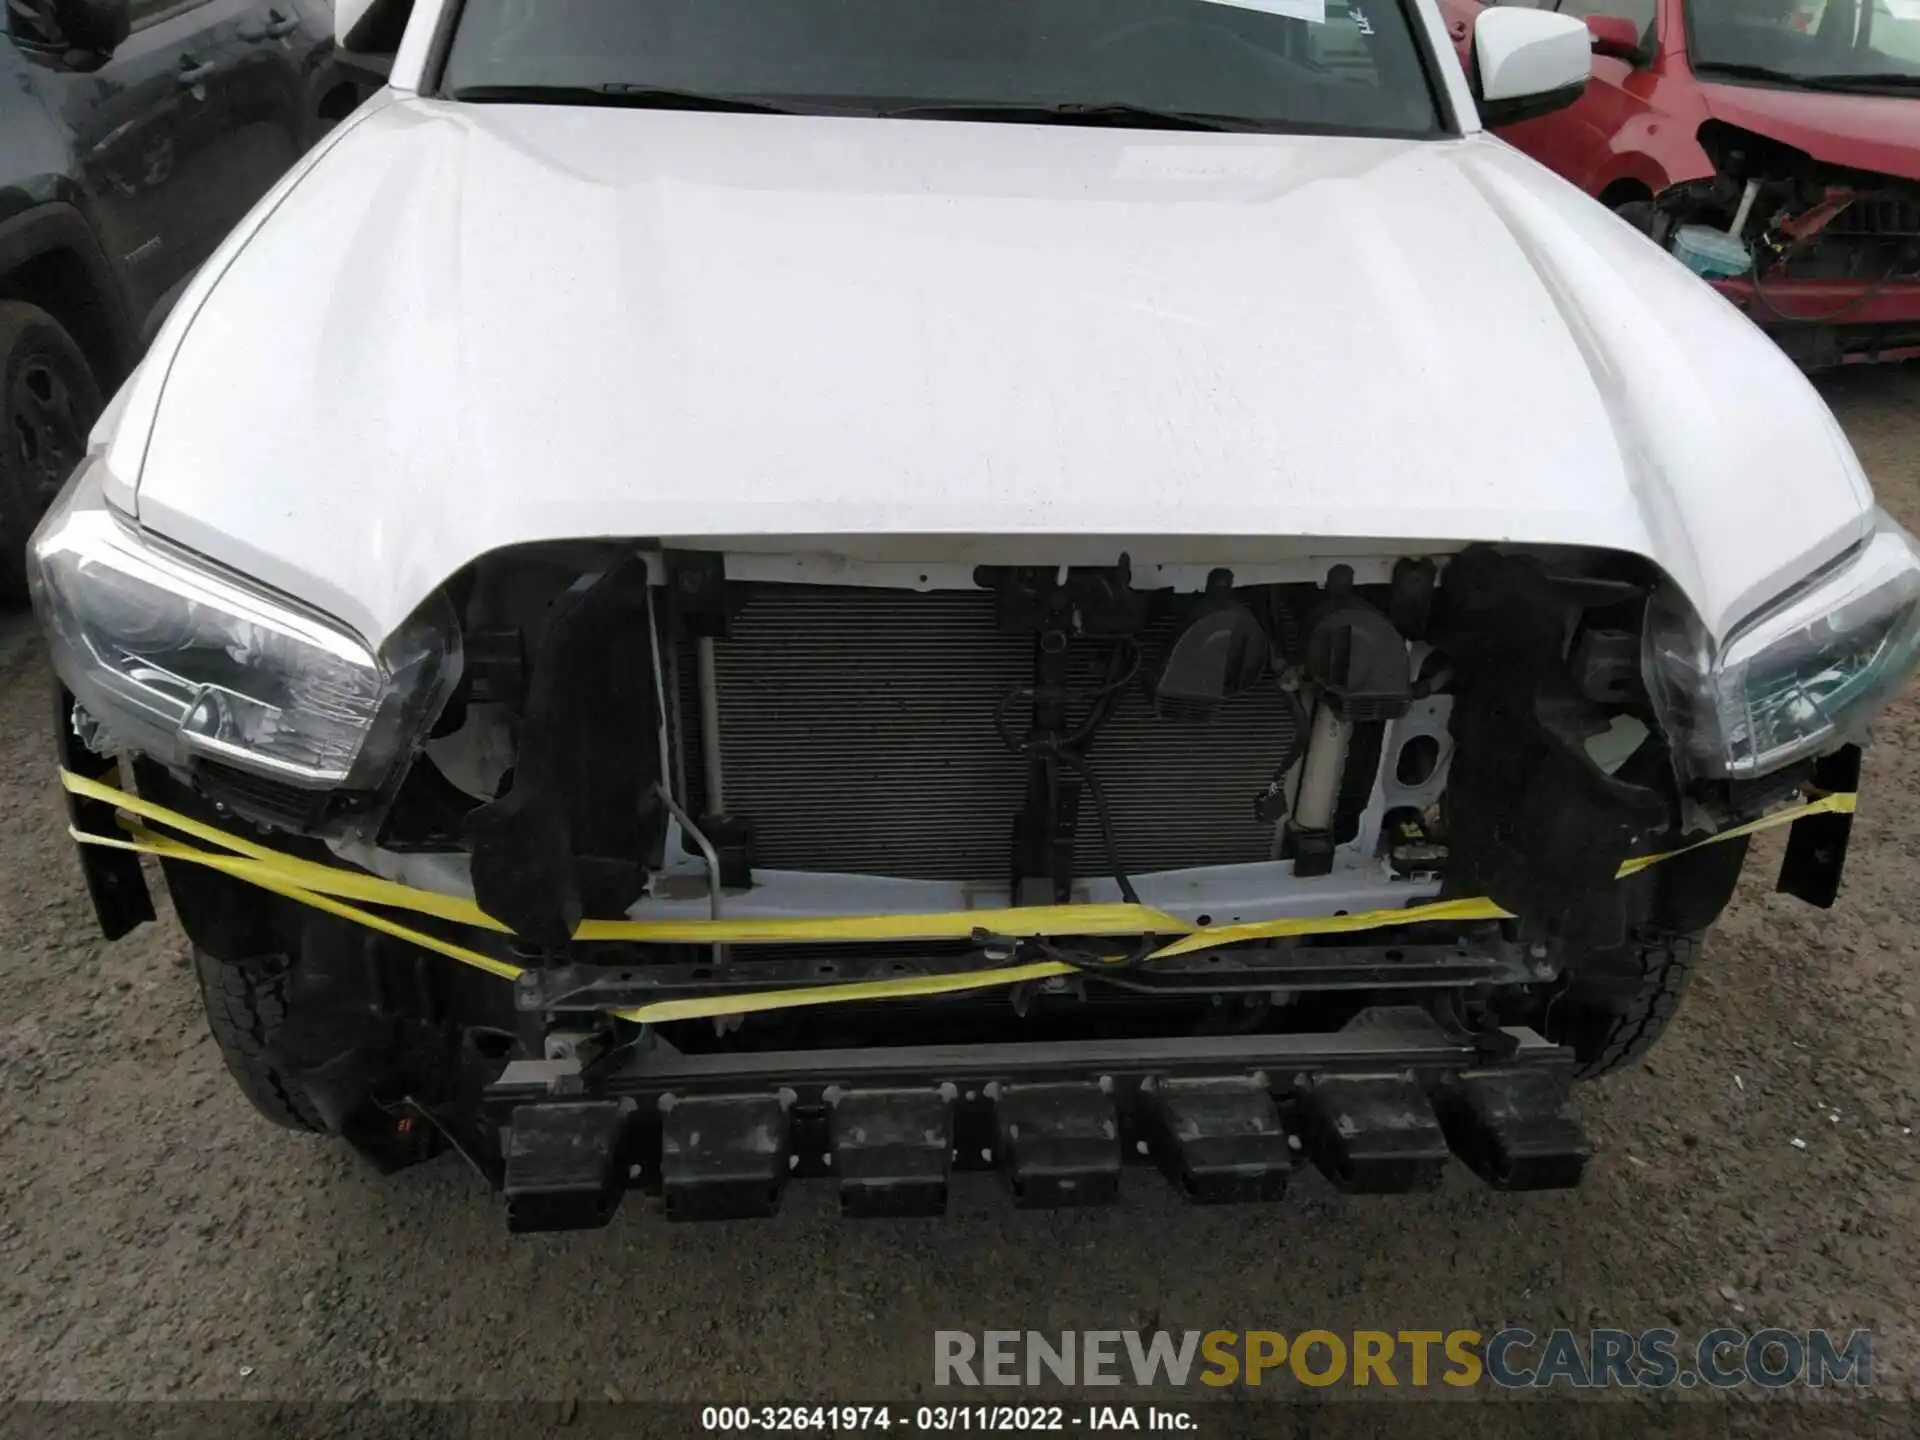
point(179, 659)
point(1802, 677)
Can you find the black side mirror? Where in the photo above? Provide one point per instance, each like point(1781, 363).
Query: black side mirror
point(370, 27)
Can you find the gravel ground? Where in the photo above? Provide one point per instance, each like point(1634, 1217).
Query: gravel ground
point(157, 1240)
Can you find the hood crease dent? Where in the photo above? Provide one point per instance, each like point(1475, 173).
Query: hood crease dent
point(480, 326)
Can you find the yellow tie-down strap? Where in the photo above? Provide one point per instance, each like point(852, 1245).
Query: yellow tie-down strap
point(342, 892)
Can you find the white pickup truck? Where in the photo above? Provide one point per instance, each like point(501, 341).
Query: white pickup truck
point(717, 590)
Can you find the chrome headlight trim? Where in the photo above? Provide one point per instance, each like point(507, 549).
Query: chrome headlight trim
point(178, 658)
point(1801, 677)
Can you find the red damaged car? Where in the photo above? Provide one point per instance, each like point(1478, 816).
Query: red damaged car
point(1773, 145)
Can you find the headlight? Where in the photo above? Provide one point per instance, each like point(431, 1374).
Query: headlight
point(1802, 677)
point(178, 659)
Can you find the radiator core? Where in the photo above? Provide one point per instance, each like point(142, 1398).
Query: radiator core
point(856, 733)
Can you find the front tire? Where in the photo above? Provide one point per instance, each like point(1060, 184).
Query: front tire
point(246, 1003)
point(48, 403)
point(1618, 1004)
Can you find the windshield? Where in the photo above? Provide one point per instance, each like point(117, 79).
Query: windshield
point(1808, 39)
point(1260, 64)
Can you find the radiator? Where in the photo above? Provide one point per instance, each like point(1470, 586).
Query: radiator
point(856, 732)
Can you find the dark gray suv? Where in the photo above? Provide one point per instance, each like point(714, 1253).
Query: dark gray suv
point(133, 135)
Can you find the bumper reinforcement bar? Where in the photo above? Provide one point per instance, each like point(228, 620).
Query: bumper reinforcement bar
point(1377, 1107)
point(1481, 960)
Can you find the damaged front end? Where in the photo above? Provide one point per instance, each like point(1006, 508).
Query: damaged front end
point(1823, 257)
point(598, 733)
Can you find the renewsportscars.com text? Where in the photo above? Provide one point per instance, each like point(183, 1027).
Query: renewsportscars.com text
point(1512, 1358)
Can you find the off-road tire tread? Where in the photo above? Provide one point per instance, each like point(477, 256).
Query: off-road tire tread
point(246, 1004)
point(1646, 1002)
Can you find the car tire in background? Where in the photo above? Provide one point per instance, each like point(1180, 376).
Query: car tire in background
point(48, 403)
point(246, 1008)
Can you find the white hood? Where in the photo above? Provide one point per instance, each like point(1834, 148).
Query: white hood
point(467, 327)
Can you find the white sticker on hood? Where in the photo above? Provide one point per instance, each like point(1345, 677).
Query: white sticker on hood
point(1314, 12)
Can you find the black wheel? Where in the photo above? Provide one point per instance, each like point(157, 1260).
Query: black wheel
point(50, 402)
point(246, 1007)
point(1619, 1003)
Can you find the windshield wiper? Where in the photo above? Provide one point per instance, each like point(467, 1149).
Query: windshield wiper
point(1750, 72)
point(1841, 81)
point(1872, 80)
point(638, 97)
point(1142, 116)
point(664, 98)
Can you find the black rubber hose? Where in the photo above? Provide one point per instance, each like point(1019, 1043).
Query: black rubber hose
point(1122, 669)
point(1867, 296)
point(1106, 699)
point(1104, 816)
point(1007, 702)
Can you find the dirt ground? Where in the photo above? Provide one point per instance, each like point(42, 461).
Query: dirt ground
point(157, 1240)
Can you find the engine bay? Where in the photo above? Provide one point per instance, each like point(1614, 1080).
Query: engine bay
point(645, 734)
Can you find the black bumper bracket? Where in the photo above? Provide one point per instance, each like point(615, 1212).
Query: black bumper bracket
point(562, 1164)
point(1059, 1144)
point(115, 884)
point(1217, 1140)
point(1373, 1135)
point(1817, 844)
point(893, 1151)
point(1513, 1129)
point(724, 1157)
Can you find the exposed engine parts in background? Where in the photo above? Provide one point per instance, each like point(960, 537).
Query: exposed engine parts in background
point(1778, 231)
